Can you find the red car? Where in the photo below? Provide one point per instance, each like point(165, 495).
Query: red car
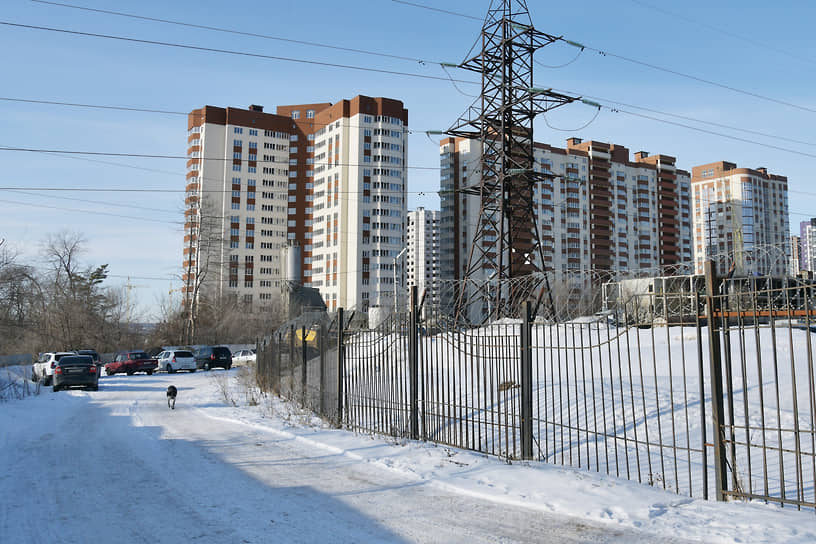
point(130, 362)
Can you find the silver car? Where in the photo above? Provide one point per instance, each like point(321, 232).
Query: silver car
point(178, 359)
point(243, 357)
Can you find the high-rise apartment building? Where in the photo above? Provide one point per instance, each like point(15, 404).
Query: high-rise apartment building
point(795, 266)
point(601, 210)
point(807, 245)
point(422, 256)
point(330, 178)
point(740, 219)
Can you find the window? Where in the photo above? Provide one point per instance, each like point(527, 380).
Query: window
point(237, 130)
point(295, 114)
point(310, 114)
point(236, 167)
point(237, 143)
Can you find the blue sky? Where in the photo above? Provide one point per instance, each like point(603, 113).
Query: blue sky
point(758, 47)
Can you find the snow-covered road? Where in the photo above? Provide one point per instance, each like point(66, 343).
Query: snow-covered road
point(118, 466)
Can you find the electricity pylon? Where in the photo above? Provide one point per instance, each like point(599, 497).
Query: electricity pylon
point(506, 243)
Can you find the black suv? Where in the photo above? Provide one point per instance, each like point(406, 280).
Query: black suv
point(209, 357)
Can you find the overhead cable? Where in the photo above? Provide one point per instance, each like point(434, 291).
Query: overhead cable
point(229, 52)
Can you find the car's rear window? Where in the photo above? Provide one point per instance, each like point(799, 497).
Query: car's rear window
point(221, 351)
point(183, 354)
point(75, 360)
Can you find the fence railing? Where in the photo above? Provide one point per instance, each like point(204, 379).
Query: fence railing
point(703, 392)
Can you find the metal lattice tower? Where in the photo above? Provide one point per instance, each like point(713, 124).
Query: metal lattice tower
point(506, 244)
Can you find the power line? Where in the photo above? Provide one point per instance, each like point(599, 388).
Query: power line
point(701, 80)
point(236, 32)
point(94, 106)
point(182, 191)
point(606, 53)
point(720, 134)
point(91, 212)
point(128, 206)
point(388, 166)
point(418, 131)
point(386, 71)
point(439, 10)
point(694, 119)
point(229, 52)
point(722, 31)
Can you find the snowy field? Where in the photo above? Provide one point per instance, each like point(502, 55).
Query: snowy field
point(118, 466)
point(633, 402)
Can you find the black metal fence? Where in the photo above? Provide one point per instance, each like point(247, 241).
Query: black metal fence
point(707, 391)
point(299, 362)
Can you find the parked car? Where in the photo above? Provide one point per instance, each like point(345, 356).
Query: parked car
point(76, 370)
point(94, 355)
point(43, 369)
point(212, 356)
point(243, 357)
point(179, 359)
point(131, 362)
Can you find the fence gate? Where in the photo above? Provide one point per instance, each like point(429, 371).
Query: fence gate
point(763, 369)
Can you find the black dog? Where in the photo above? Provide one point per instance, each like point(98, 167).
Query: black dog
point(171, 396)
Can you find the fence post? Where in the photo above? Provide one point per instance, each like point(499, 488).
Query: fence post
point(322, 347)
point(304, 369)
point(714, 352)
point(291, 364)
point(413, 363)
point(527, 383)
point(341, 365)
point(278, 363)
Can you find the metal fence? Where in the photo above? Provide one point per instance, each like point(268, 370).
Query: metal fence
point(299, 362)
point(707, 391)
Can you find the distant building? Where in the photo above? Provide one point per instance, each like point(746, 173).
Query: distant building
point(796, 259)
point(329, 177)
point(602, 210)
point(422, 257)
point(740, 219)
point(807, 245)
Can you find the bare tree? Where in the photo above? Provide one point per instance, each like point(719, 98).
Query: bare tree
point(205, 240)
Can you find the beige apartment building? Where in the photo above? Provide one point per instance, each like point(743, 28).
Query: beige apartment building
point(601, 210)
point(329, 178)
point(740, 219)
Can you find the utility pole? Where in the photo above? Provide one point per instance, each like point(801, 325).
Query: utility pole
point(506, 244)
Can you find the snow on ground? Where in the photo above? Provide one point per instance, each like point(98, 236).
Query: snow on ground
point(118, 466)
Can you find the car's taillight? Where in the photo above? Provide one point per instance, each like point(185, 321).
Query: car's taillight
point(92, 370)
point(53, 364)
point(58, 370)
point(212, 357)
point(174, 359)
